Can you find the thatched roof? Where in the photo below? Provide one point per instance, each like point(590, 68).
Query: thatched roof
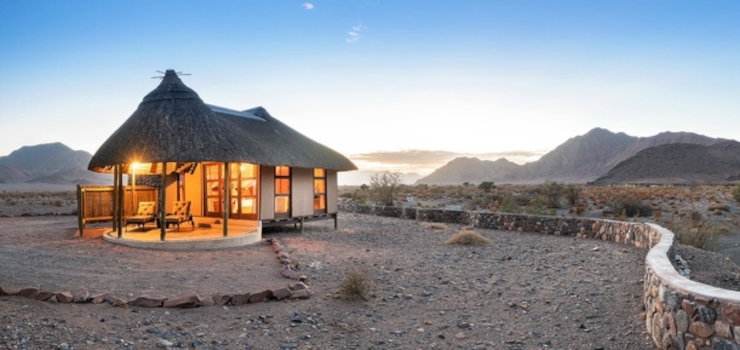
point(172, 124)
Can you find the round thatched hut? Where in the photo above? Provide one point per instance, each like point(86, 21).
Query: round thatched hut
point(232, 168)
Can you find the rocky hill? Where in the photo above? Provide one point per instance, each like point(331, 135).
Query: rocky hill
point(580, 159)
point(678, 163)
point(51, 163)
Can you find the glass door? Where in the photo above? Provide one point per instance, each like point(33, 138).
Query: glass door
point(214, 184)
point(243, 186)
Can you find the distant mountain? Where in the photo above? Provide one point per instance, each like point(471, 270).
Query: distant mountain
point(678, 163)
point(579, 159)
point(52, 163)
point(474, 170)
point(9, 174)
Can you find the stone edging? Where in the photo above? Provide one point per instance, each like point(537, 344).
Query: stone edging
point(679, 313)
point(295, 290)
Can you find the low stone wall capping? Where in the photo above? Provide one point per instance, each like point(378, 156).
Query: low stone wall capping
point(679, 313)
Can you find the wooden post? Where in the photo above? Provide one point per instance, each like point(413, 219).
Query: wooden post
point(301, 224)
point(80, 212)
point(227, 198)
point(163, 202)
point(335, 220)
point(118, 195)
point(121, 216)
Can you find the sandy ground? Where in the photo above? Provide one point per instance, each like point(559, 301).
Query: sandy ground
point(524, 291)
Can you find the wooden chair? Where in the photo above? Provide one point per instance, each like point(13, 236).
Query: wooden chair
point(180, 213)
point(147, 212)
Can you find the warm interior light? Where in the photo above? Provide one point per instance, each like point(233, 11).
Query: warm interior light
point(135, 165)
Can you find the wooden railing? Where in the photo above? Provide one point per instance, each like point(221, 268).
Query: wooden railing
point(95, 203)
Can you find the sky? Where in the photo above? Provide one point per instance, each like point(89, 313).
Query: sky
point(404, 85)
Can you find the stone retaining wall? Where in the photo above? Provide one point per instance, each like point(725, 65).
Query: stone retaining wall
point(679, 313)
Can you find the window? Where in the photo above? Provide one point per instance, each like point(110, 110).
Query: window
point(282, 191)
point(319, 190)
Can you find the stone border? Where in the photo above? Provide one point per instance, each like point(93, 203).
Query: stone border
point(294, 290)
point(679, 313)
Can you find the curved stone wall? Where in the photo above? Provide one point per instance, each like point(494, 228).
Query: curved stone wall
point(679, 313)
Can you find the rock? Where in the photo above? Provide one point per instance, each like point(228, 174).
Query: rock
point(63, 346)
point(701, 329)
point(281, 293)
point(221, 299)
point(147, 301)
point(707, 315)
point(300, 294)
point(260, 296)
point(164, 343)
point(41, 295)
point(64, 297)
point(736, 332)
point(206, 301)
point(99, 298)
point(3, 292)
point(12, 291)
point(28, 291)
point(722, 344)
point(723, 329)
point(297, 285)
point(682, 321)
point(239, 299)
point(186, 301)
point(288, 273)
point(118, 302)
point(81, 296)
point(732, 312)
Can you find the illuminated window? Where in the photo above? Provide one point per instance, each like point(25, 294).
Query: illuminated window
point(282, 191)
point(319, 190)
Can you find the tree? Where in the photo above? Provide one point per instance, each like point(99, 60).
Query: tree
point(384, 186)
point(486, 186)
point(572, 193)
point(552, 191)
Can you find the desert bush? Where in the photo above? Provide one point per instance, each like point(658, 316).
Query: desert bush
point(434, 225)
point(468, 237)
point(736, 193)
point(355, 286)
point(537, 207)
point(552, 191)
point(719, 206)
point(628, 206)
point(507, 205)
point(486, 186)
point(703, 235)
point(572, 193)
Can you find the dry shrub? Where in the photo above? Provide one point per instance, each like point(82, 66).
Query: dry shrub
point(355, 287)
point(434, 225)
point(702, 235)
point(468, 237)
point(719, 206)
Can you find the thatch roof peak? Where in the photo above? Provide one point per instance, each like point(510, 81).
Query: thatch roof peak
point(171, 87)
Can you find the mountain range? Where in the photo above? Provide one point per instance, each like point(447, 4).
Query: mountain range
point(51, 163)
point(591, 157)
point(599, 156)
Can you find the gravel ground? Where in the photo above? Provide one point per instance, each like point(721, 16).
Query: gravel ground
point(524, 291)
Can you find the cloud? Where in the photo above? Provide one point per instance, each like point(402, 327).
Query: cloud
point(308, 6)
point(354, 34)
